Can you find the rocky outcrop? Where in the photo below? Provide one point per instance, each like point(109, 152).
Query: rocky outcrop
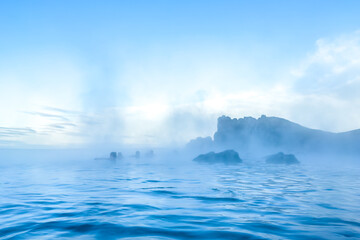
point(226, 157)
point(113, 155)
point(281, 158)
point(270, 134)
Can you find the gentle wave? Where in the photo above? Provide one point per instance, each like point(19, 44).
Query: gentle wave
point(184, 201)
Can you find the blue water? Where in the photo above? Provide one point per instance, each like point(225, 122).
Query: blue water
point(172, 199)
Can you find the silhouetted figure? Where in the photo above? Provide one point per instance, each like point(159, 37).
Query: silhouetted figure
point(120, 156)
point(137, 154)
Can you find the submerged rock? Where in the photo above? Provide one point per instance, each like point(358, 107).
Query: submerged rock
point(227, 157)
point(281, 158)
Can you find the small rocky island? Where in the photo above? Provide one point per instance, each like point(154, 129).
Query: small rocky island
point(226, 157)
point(281, 158)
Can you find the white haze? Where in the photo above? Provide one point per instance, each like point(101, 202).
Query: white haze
point(53, 99)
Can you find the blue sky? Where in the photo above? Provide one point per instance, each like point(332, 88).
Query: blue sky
point(161, 72)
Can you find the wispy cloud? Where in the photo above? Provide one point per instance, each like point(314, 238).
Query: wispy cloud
point(328, 83)
point(60, 110)
point(48, 115)
point(333, 69)
point(14, 132)
point(11, 137)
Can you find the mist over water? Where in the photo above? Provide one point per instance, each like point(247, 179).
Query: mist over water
point(172, 197)
point(233, 119)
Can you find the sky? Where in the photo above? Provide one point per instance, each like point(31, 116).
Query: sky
point(159, 73)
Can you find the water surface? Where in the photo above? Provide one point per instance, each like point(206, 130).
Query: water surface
point(177, 199)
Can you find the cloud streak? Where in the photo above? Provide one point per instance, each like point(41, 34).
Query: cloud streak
point(14, 132)
point(47, 115)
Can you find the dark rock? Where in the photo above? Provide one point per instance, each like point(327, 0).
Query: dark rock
point(227, 157)
point(149, 154)
point(281, 158)
point(113, 155)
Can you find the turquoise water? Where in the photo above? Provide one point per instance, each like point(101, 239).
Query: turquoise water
point(174, 199)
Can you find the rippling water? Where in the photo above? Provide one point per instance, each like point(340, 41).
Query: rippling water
point(168, 199)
